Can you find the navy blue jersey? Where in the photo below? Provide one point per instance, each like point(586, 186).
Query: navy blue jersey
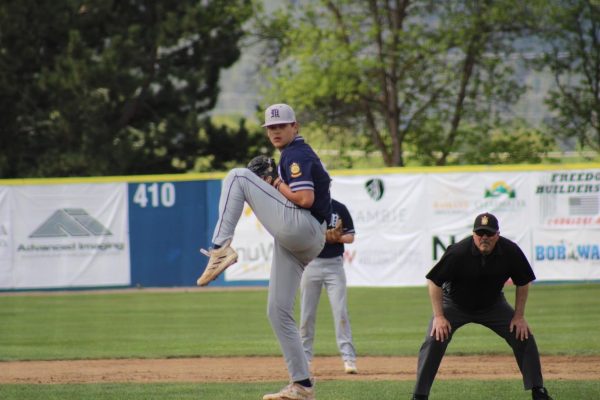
point(339, 211)
point(475, 281)
point(301, 169)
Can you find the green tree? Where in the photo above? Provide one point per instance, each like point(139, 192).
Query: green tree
point(111, 87)
point(571, 31)
point(478, 82)
point(416, 74)
point(229, 146)
point(515, 143)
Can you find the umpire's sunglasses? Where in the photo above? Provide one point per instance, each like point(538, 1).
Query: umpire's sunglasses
point(483, 232)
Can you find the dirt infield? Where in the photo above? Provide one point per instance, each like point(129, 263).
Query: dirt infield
point(257, 369)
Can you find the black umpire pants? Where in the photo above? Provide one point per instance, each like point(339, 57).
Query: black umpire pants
point(497, 318)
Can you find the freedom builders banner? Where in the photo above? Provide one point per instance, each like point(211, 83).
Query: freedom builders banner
point(404, 222)
point(55, 236)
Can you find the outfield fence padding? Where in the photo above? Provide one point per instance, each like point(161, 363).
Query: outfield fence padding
point(147, 231)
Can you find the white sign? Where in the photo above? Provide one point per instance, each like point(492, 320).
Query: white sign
point(6, 264)
point(388, 220)
point(70, 236)
point(254, 246)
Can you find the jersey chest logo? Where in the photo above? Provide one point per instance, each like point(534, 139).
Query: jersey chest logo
point(295, 170)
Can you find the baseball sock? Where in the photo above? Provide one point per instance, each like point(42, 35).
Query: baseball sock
point(305, 383)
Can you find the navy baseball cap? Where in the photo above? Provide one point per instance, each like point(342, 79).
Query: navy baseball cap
point(486, 222)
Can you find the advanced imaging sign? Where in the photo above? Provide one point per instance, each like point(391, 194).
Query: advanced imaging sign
point(75, 222)
point(70, 236)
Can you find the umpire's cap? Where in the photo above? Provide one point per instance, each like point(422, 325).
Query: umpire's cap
point(487, 222)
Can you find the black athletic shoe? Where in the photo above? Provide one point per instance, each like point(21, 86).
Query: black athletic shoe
point(419, 397)
point(540, 393)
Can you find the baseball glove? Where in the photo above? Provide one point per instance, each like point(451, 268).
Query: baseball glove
point(333, 235)
point(263, 166)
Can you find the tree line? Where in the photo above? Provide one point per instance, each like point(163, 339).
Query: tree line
point(122, 88)
point(434, 79)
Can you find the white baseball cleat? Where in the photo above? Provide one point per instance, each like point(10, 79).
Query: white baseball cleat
point(219, 260)
point(350, 367)
point(293, 391)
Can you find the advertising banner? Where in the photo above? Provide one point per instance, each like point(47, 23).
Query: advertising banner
point(566, 225)
point(389, 221)
point(455, 199)
point(405, 222)
point(70, 236)
point(147, 233)
point(571, 255)
point(566, 200)
point(6, 265)
point(254, 246)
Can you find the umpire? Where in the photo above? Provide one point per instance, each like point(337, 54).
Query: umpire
point(466, 286)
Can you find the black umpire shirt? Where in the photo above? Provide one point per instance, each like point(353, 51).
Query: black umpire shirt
point(474, 281)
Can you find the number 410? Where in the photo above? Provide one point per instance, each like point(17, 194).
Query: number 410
point(165, 196)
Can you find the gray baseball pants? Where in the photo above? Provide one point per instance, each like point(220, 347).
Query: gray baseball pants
point(328, 272)
point(298, 238)
point(497, 318)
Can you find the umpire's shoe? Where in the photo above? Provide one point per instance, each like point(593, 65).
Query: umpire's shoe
point(293, 391)
point(540, 393)
point(219, 260)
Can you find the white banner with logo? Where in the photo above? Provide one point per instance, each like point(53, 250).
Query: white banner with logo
point(69, 236)
point(254, 246)
point(388, 220)
point(572, 254)
point(566, 225)
point(404, 222)
point(567, 200)
point(6, 265)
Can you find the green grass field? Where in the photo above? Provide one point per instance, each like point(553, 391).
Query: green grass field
point(385, 321)
point(347, 390)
